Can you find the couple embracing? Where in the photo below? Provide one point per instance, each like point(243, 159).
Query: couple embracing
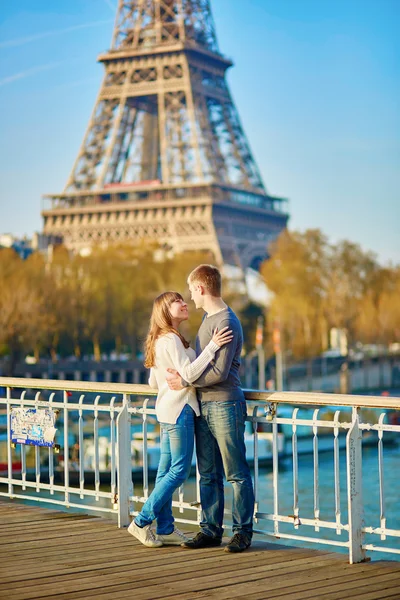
point(199, 394)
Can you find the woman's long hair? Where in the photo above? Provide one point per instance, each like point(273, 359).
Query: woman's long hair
point(160, 324)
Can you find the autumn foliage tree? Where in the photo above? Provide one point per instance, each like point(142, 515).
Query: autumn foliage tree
point(317, 285)
point(22, 308)
point(70, 304)
point(66, 304)
point(296, 274)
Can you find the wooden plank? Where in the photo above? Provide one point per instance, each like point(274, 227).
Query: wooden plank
point(90, 586)
point(68, 549)
point(381, 592)
point(27, 518)
point(304, 586)
point(38, 534)
point(47, 523)
point(56, 525)
point(68, 557)
point(13, 505)
point(33, 571)
point(169, 558)
point(97, 534)
point(367, 590)
point(156, 586)
point(226, 562)
point(343, 589)
point(144, 558)
point(317, 576)
point(32, 530)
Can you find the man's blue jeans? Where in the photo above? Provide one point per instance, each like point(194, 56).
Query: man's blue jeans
point(177, 442)
point(220, 448)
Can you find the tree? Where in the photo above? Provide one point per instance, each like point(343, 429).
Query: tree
point(317, 286)
point(296, 274)
point(351, 273)
point(389, 309)
point(21, 309)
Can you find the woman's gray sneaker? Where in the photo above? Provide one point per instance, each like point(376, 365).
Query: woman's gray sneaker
point(145, 535)
point(176, 538)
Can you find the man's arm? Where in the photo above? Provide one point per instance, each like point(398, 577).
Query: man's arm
point(174, 380)
point(218, 370)
point(190, 371)
point(215, 372)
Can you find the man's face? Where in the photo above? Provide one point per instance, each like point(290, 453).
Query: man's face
point(196, 294)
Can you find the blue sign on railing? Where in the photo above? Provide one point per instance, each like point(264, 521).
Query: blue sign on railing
point(33, 426)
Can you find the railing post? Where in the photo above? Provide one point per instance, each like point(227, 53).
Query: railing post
point(354, 490)
point(9, 451)
point(124, 463)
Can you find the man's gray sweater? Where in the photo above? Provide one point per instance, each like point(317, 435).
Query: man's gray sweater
point(220, 381)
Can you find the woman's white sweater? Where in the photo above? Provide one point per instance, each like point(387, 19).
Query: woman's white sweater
point(170, 353)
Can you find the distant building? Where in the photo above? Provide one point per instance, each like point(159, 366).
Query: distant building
point(22, 246)
point(25, 246)
point(165, 158)
point(42, 241)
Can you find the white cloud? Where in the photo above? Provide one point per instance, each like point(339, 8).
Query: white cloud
point(111, 5)
point(39, 36)
point(29, 72)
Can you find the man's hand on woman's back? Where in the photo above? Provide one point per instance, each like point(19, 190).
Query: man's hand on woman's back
point(174, 380)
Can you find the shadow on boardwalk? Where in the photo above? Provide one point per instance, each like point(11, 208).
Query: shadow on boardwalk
point(59, 556)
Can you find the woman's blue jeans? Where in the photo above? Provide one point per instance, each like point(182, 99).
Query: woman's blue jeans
point(177, 442)
point(221, 449)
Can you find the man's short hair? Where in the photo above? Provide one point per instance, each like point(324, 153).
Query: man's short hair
point(209, 277)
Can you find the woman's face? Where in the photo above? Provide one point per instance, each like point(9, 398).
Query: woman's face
point(179, 311)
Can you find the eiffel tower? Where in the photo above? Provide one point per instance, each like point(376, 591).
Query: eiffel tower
point(165, 157)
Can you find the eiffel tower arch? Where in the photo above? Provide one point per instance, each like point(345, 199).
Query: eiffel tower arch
point(165, 157)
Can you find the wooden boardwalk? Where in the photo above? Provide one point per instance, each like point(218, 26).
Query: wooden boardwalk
point(57, 555)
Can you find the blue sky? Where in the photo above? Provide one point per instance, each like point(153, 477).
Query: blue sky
point(316, 83)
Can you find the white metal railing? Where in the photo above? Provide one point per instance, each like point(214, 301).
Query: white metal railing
point(100, 476)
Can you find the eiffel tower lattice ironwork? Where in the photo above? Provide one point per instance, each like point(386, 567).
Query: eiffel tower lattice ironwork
point(165, 157)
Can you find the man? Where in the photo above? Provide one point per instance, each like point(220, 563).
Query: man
point(220, 443)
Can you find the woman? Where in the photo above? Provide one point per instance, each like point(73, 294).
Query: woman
point(165, 348)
